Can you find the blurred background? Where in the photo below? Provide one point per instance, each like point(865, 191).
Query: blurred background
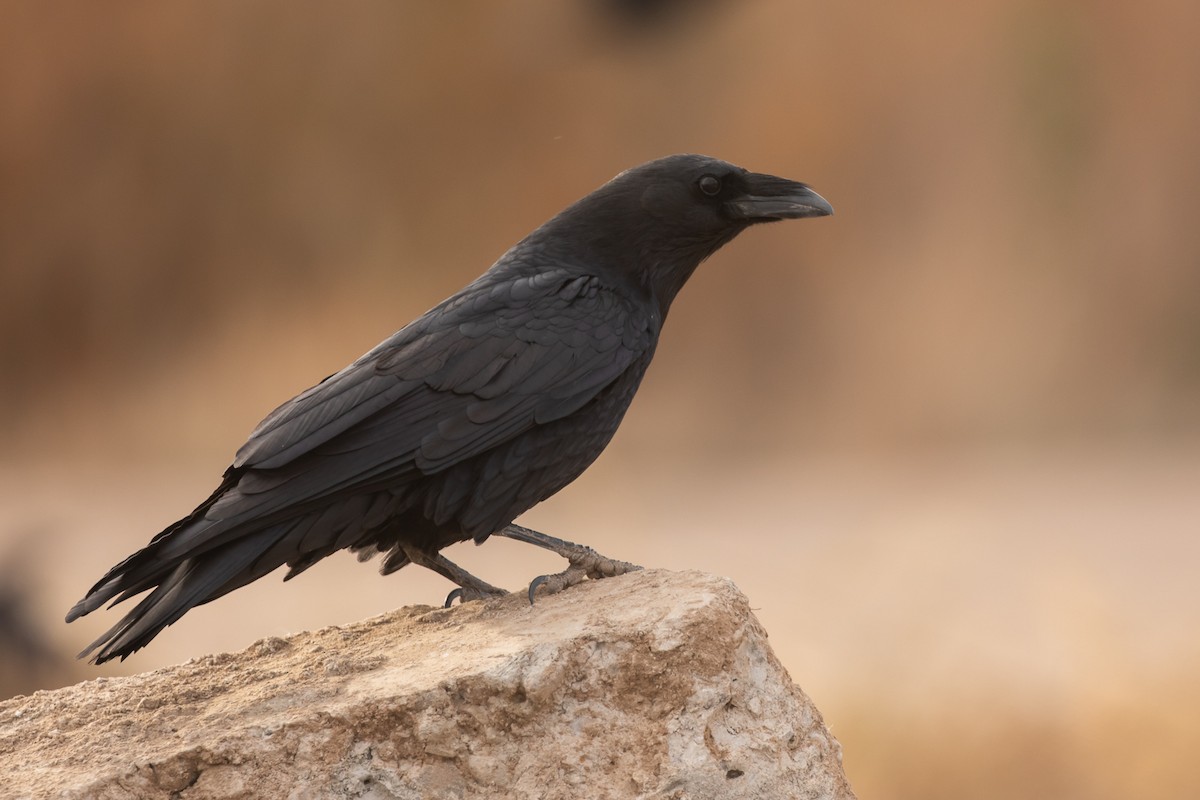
point(948, 440)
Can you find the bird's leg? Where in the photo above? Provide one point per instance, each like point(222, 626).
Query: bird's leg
point(584, 561)
point(470, 587)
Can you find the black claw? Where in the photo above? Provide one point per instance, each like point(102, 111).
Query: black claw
point(534, 584)
point(457, 593)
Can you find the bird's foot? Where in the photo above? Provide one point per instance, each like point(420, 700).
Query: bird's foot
point(465, 594)
point(586, 564)
point(584, 561)
point(469, 587)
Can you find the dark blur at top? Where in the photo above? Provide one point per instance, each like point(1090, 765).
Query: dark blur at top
point(205, 207)
point(650, 17)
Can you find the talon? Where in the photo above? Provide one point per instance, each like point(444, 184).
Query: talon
point(534, 584)
point(450, 598)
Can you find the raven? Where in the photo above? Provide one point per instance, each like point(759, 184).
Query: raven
point(467, 417)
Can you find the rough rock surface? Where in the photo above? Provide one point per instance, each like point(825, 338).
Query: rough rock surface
point(652, 685)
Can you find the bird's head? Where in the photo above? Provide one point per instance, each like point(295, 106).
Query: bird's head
point(700, 194)
point(653, 224)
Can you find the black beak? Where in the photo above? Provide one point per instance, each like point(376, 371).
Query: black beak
point(769, 198)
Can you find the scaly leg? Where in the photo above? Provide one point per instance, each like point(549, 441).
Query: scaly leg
point(584, 561)
point(470, 587)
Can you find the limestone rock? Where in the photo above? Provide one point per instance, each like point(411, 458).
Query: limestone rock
point(651, 685)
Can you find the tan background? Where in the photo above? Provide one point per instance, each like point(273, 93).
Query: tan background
point(948, 441)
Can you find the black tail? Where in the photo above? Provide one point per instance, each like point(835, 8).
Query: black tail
point(191, 582)
point(199, 559)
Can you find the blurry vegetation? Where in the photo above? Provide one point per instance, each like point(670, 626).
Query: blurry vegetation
point(1014, 252)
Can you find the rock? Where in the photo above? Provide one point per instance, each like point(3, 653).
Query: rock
point(652, 685)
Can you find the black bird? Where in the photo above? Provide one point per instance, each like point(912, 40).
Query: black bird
point(467, 417)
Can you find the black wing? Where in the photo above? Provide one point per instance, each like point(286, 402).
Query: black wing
point(485, 365)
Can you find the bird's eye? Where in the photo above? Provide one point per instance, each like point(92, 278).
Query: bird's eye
point(710, 185)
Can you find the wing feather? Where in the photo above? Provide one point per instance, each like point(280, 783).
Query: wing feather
point(430, 397)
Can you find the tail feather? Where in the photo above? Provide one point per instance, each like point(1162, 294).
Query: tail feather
point(134, 575)
point(190, 583)
point(208, 554)
point(146, 568)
